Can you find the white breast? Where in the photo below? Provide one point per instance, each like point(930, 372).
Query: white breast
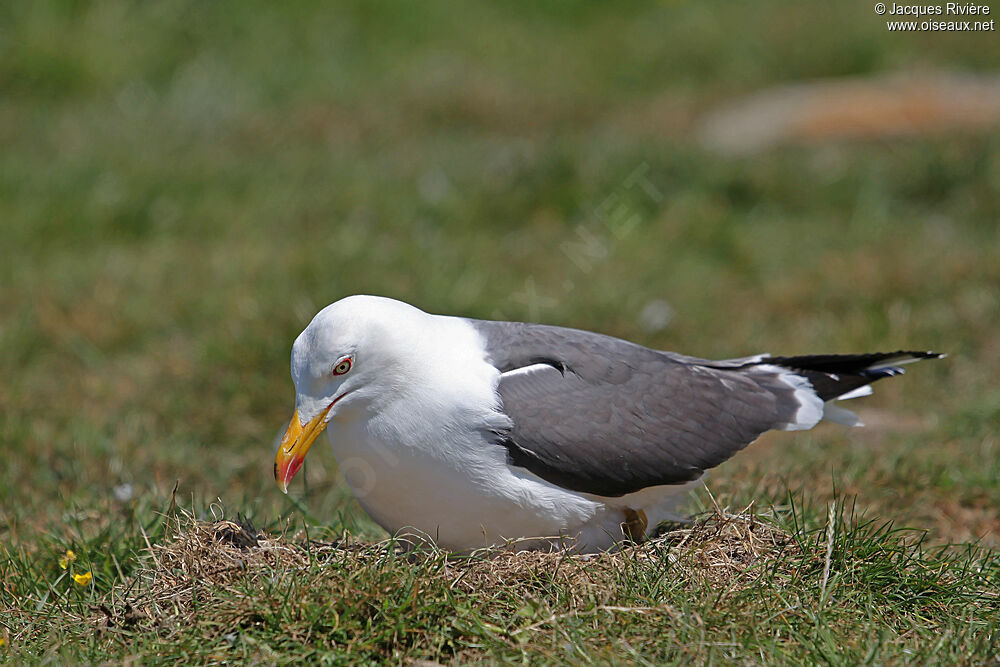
point(428, 460)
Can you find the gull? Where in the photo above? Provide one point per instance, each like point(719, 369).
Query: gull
point(473, 433)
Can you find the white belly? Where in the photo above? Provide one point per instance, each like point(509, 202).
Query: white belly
point(462, 501)
point(466, 497)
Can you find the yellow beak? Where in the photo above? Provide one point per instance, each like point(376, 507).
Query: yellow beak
point(294, 446)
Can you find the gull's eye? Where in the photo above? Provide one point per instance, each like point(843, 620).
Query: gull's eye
point(342, 367)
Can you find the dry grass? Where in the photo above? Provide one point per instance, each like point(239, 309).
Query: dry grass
point(207, 559)
point(229, 592)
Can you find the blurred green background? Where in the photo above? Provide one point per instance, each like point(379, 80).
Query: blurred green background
point(184, 184)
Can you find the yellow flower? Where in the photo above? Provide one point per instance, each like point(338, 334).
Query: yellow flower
point(83, 579)
point(67, 558)
point(2, 642)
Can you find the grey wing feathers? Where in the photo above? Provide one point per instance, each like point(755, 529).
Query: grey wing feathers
point(608, 417)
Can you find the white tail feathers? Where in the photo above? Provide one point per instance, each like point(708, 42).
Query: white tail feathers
point(864, 390)
point(810, 410)
point(838, 415)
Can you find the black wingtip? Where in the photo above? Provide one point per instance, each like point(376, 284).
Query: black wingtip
point(833, 375)
point(885, 372)
point(896, 359)
point(929, 354)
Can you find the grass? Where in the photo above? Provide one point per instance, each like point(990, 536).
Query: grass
point(732, 586)
point(183, 185)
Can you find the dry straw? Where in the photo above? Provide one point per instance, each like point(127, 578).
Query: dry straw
point(218, 562)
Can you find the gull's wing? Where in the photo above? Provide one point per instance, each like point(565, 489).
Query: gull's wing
point(601, 415)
